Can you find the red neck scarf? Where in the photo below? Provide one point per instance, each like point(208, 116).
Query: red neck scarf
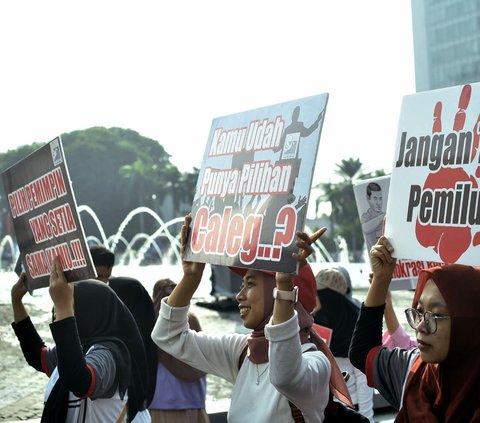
point(449, 391)
point(258, 344)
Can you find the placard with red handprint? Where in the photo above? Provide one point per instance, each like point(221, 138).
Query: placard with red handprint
point(433, 212)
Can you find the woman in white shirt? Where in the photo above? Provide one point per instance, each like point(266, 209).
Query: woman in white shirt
point(277, 371)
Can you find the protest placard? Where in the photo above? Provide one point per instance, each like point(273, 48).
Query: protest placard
point(371, 196)
point(254, 184)
point(433, 213)
point(45, 218)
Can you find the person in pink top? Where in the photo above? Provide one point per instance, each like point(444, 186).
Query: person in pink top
point(395, 335)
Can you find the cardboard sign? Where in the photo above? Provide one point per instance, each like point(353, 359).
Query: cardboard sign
point(324, 333)
point(405, 275)
point(434, 214)
point(254, 184)
point(45, 218)
point(371, 196)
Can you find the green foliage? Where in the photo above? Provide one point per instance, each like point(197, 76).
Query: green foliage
point(114, 171)
point(13, 156)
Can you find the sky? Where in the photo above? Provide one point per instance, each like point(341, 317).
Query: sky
point(166, 69)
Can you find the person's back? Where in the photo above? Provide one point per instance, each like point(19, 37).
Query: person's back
point(138, 301)
point(339, 313)
point(180, 392)
point(98, 364)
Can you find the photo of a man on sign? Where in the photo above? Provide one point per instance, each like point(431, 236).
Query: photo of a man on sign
point(254, 183)
point(372, 218)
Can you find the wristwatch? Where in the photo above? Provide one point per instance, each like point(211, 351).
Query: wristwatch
point(286, 295)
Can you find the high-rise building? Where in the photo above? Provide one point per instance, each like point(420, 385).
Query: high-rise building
point(446, 38)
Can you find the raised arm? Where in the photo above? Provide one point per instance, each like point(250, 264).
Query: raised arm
point(61, 292)
point(192, 273)
point(368, 329)
point(283, 310)
point(18, 292)
point(30, 342)
point(383, 265)
point(390, 316)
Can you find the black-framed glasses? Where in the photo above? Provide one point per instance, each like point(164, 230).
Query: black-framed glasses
point(415, 317)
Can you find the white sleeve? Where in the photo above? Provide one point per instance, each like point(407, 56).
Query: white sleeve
point(302, 378)
point(217, 355)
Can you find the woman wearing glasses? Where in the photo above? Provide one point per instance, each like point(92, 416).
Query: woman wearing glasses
point(439, 381)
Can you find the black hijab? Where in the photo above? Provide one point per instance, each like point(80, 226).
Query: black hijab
point(339, 314)
point(103, 319)
point(138, 300)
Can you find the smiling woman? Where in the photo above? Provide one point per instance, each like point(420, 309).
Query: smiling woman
point(265, 388)
point(438, 381)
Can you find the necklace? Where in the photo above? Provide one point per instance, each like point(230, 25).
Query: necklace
point(259, 375)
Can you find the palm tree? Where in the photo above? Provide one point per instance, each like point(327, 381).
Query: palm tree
point(344, 215)
point(349, 168)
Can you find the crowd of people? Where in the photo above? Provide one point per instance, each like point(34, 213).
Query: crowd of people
point(121, 354)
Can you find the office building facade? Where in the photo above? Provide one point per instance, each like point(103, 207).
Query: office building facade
point(446, 35)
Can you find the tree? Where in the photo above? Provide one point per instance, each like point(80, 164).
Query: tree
point(185, 188)
point(114, 171)
point(348, 168)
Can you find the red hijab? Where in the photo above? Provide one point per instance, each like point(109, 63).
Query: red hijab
point(307, 291)
point(449, 391)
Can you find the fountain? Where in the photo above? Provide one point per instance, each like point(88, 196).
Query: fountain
point(131, 254)
point(8, 252)
point(144, 249)
point(134, 252)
